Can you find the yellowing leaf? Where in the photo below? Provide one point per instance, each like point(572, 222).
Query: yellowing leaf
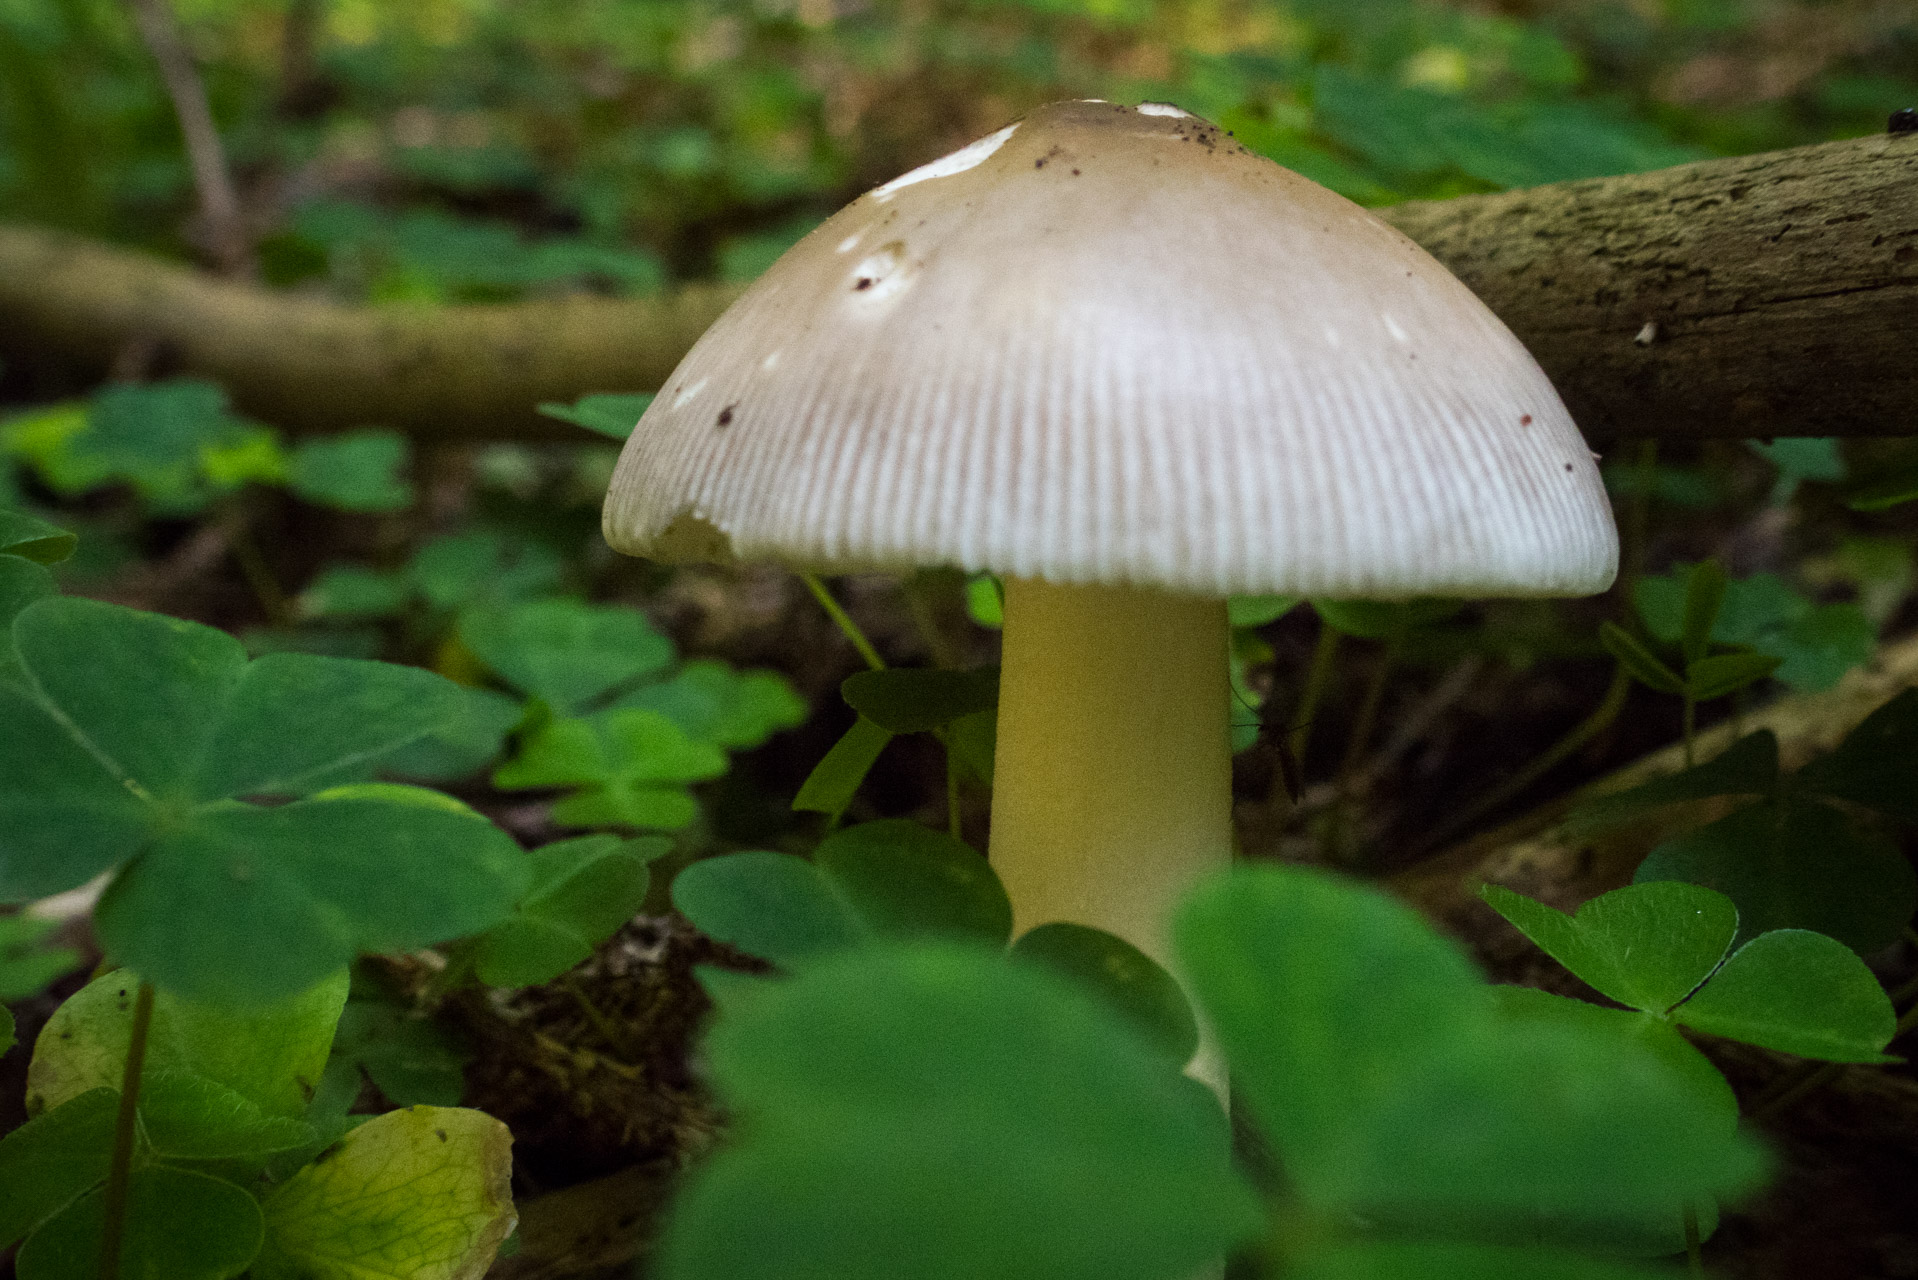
point(419, 1194)
point(271, 1055)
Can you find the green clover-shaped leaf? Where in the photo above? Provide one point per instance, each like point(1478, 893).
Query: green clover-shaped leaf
point(565, 652)
point(583, 890)
point(631, 766)
point(135, 741)
point(937, 1111)
point(1646, 945)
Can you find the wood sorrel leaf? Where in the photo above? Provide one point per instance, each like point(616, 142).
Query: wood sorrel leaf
point(1371, 1055)
point(222, 1239)
point(130, 732)
point(1795, 864)
point(34, 539)
point(564, 651)
point(609, 413)
point(1646, 945)
point(920, 699)
point(1122, 976)
point(632, 766)
point(1876, 763)
point(713, 702)
point(939, 1112)
point(53, 1159)
point(1704, 596)
point(771, 905)
point(26, 964)
point(422, 1193)
point(583, 891)
point(270, 1055)
point(1748, 766)
point(1387, 1261)
point(248, 905)
point(830, 786)
point(352, 471)
point(1797, 992)
point(904, 880)
point(185, 1116)
point(1714, 677)
point(1643, 665)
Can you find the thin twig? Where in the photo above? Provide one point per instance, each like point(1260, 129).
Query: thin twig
point(224, 226)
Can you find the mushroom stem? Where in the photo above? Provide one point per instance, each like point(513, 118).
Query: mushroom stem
point(1112, 780)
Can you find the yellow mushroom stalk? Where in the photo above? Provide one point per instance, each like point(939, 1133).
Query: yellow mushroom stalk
point(1113, 769)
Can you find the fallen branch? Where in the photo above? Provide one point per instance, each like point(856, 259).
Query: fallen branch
point(1764, 295)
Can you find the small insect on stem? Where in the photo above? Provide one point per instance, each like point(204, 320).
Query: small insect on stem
point(1291, 772)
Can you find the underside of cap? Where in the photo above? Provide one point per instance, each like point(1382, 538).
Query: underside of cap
point(1109, 344)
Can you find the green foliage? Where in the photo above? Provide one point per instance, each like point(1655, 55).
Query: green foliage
point(1648, 946)
point(355, 471)
point(1794, 863)
point(1146, 995)
point(937, 1110)
point(33, 539)
point(631, 768)
point(567, 654)
point(178, 444)
point(1664, 948)
point(908, 700)
point(1814, 644)
point(898, 881)
point(26, 966)
point(225, 1097)
point(421, 1193)
point(410, 1059)
point(892, 879)
point(934, 1110)
point(609, 414)
point(135, 742)
point(583, 890)
point(829, 788)
point(268, 1057)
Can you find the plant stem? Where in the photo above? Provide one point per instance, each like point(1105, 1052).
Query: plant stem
point(843, 621)
point(1691, 730)
point(1317, 679)
point(1368, 713)
point(952, 793)
point(259, 577)
point(1575, 738)
point(926, 619)
point(125, 1127)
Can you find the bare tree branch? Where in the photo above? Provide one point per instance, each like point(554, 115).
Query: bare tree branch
point(1765, 295)
point(224, 227)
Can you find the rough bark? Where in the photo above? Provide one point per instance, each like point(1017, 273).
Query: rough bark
point(1764, 295)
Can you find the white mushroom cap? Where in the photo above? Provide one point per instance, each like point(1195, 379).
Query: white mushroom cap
point(1111, 345)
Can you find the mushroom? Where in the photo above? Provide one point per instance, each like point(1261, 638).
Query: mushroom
point(1114, 356)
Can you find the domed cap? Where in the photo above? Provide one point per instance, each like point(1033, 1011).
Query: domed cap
point(1111, 345)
